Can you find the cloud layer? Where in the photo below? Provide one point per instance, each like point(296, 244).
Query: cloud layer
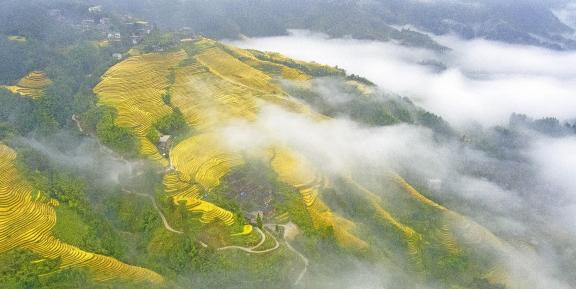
point(484, 81)
point(529, 197)
point(341, 146)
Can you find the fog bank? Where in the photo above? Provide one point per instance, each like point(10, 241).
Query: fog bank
point(478, 80)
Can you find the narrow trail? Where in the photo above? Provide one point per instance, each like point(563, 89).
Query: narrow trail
point(304, 259)
point(262, 238)
point(77, 121)
point(162, 216)
point(252, 250)
point(164, 220)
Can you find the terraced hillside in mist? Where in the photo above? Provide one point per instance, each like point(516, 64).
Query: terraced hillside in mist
point(138, 153)
point(27, 218)
point(209, 86)
point(209, 204)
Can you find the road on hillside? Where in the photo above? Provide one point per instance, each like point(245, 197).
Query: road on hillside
point(252, 250)
point(164, 220)
point(287, 228)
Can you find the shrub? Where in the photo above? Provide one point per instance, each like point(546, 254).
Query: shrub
point(120, 139)
point(172, 124)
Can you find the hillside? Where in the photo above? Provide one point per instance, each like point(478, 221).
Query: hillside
point(137, 150)
point(207, 86)
point(188, 202)
point(27, 222)
point(211, 85)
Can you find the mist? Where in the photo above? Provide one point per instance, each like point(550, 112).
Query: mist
point(567, 14)
point(84, 155)
point(476, 81)
point(442, 158)
point(532, 212)
point(529, 196)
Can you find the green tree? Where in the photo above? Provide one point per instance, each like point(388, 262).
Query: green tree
point(259, 221)
point(120, 139)
point(172, 124)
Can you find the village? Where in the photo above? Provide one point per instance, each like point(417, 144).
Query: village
point(120, 32)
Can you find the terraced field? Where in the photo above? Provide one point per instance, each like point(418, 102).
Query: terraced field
point(233, 70)
point(212, 85)
point(207, 100)
point(240, 76)
point(32, 85)
point(469, 231)
point(135, 88)
point(215, 88)
point(296, 171)
point(26, 221)
point(461, 230)
point(273, 69)
point(199, 165)
point(17, 38)
point(413, 238)
point(454, 233)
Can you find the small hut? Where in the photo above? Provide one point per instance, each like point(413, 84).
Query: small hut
point(164, 144)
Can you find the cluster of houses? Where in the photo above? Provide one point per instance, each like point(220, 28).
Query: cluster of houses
point(97, 22)
point(138, 30)
point(123, 30)
point(130, 30)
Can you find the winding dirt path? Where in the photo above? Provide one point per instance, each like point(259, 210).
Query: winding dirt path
point(304, 260)
point(162, 216)
point(77, 121)
point(252, 250)
point(289, 246)
point(164, 220)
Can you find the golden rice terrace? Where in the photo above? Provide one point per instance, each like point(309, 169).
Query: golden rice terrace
point(211, 85)
point(27, 219)
point(32, 85)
